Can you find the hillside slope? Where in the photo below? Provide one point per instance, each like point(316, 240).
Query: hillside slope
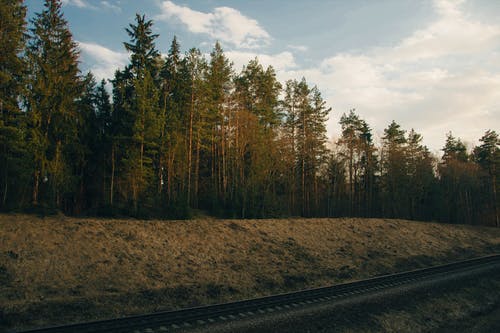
point(60, 269)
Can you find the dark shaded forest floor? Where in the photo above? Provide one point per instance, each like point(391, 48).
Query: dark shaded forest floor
point(59, 270)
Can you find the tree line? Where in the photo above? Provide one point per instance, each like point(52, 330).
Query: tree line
point(187, 132)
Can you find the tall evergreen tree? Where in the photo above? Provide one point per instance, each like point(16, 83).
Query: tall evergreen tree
point(171, 100)
point(104, 138)
point(54, 86)
point(459, 180)
point(312, 114)
point(368, 189)
point(259, 90)
point(358, 153)
point(487, 156)
point(394, 177)
point(12, 123)
point(140, 169)
point(142, 46)
point(337, 198)
point(219, 83)
point(85, 157)
point(289, 141)
point(145, 140)
point(256, 101)
point(421, 185)
point(193, 71)
point(122, 121)
point(454, 149)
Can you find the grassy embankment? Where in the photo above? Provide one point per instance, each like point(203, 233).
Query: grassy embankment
point(58, 270)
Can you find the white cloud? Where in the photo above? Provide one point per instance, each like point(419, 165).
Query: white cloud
point(452, 34)
point(105, 61)
point(113, 6)
point(224, 23)
point(281, 62)
point(87, 4)
point(300, 48)
point(78, 3)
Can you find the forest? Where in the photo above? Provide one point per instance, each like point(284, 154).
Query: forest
point(187, 133)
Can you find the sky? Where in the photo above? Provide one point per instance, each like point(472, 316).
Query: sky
point(431, 65)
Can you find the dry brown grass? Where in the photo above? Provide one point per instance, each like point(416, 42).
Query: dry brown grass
point(68, 269)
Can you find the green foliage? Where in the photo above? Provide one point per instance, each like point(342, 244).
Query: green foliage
point(13, 154)
point(311, 145)
point(421, 178)
point(140, 136)
point(142, 45)
point(394, 176)
point(454, 149)
point(487, 156)
point(258, 92)
point(358, 153)
point(54, 86)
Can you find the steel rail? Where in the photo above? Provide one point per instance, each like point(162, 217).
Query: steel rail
point(172, 320)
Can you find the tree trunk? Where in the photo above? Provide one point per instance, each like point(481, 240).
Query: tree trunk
point(142, 162)
point(170, 173)
point(36, 182)
point(6, 181)
point(103, 193)
point(134, 194)
point(351, 185)
point(294, 166)
point(58, 155)
point(223, 156)
point(495, 198)
point(112, 182)
point(197, 169)
point(303, 153)
point(190, 148)
point(214, 168)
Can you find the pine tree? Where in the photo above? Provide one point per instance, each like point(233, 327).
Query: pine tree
point(86, 149)
point(368, 165)
point(140, 169)
point(337, 199)
point(289, 140)
point(459, 180)
point(170, 104)
point(255, 106)
point(317, 146)
point(142, 46)
point(122, 122)
point(219, 83)
point(258, 90)
point(487, 156)
point(421, 184)
point(105, 147)
point(193, 69)
point(54, 86)
point(394, 175)
point(146, 134)
point(454, 149)
point(312, 114)
point(12, 120)
point(358, 152)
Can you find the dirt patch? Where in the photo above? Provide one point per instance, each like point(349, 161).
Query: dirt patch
point(58, 270)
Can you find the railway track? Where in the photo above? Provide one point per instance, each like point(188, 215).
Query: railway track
point(172, 321)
